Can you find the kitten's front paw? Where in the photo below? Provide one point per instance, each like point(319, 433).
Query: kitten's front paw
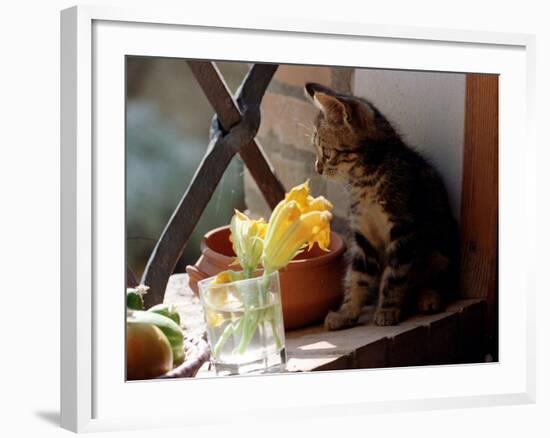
point(338, 321)
point(384, 317)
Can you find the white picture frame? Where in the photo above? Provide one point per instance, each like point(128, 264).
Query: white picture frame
point(94, 396)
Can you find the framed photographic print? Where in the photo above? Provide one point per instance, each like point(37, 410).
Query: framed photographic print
point(252, 208)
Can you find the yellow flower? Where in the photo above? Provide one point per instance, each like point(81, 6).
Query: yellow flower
point(247, 239)
point(214, 319)
point(229, 276)
point(219, 294)
point(296, 222)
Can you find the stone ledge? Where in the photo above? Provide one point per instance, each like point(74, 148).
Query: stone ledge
point(451, 337)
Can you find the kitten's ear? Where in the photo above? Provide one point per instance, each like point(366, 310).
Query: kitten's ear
point(311, 88)
point(326, 100)
point(334, 109)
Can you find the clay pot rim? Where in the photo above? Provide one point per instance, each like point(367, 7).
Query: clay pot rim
point(339, 248)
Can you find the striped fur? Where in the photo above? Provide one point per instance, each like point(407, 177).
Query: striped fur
point(404, 247)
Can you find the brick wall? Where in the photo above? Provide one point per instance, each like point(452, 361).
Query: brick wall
point(287, 120)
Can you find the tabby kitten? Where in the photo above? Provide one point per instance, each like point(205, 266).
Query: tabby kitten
point(404, 246)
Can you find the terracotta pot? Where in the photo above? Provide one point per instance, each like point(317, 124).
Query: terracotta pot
point(311, 284)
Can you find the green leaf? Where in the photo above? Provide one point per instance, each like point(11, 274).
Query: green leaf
point(134, 301)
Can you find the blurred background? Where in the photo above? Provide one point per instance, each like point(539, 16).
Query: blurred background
point(167, 132)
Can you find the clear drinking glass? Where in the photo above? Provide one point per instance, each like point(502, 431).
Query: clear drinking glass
point(244, 322)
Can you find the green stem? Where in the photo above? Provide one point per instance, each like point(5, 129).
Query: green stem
point(230, 329)
point(249, 328)
point(248, 272)
point(278, 342)
point(249, 322)
point(254, 317)
point(239, 328)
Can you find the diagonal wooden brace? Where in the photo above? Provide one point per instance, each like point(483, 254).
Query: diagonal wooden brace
point(228, 111)
point(239, 125)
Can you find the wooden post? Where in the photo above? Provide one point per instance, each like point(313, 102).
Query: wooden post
point(479, 212)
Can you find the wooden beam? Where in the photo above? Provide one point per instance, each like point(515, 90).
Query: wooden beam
point(175, 236)
point(228, 110)
point(479, 212)
point(209, 78)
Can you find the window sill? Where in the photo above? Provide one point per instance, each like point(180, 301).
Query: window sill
point(451, 337)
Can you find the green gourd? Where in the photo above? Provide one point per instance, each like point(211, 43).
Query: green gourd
point(171, 330)
point(167, 310)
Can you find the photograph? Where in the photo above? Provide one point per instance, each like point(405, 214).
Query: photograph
point(262, 220)
point(289, 218)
